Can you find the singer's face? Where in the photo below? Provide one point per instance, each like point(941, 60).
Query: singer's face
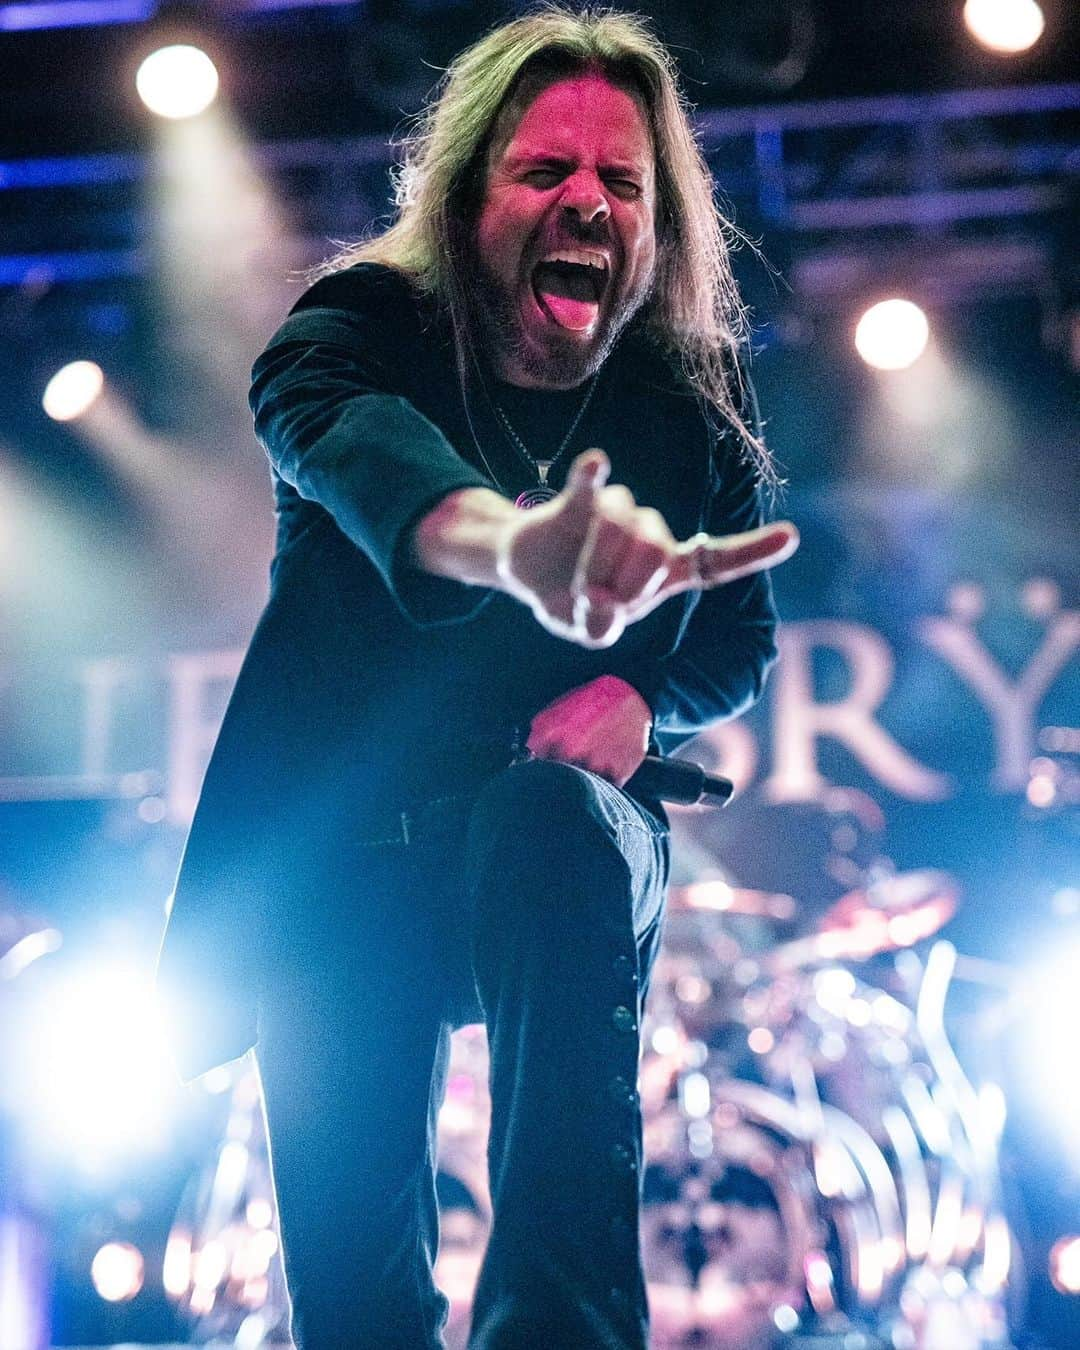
point(566, 236)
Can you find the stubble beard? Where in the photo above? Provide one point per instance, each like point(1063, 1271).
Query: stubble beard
point(560, 360)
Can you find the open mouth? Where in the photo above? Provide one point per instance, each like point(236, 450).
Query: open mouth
point(569, 285)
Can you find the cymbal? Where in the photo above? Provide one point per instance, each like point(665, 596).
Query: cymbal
point(895, 912)
point(720, 897)
point(899, 896)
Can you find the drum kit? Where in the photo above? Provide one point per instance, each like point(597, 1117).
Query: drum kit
point(820, 1172)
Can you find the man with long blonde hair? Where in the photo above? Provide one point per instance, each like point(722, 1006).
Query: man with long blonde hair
point(425, 805)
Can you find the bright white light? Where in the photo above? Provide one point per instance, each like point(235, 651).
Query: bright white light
point(117, 1271)
point(1053, 1015)
point(99, 1077)
point(695, 1094)
point(21, 1313)
point(72, 390)
point(177, 82)
point(253, 1332)
point(210, 1265)
point(1005, 25)
point(1065, 1265)
point(892, 335)
point(785, 1318)
point(231, 1168)
point(994, 1107)
point(859, 1013)
point(217, 1080)
point(259, 1213)
point(760, 1040)
point(262, 1247)
point(832, 1167)
point(665, 1040)
point(833, 989)
point(176, 1268)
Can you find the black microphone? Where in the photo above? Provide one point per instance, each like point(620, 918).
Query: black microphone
point(680, 781)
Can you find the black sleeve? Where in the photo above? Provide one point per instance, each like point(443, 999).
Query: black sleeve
point(335, 428)
point(719, 666)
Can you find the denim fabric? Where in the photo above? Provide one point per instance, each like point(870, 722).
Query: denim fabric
point(534, 905)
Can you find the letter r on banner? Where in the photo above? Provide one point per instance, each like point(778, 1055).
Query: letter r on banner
point(799, 721)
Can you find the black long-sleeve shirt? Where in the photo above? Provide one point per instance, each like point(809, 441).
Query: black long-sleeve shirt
point(357, 402)
point(369, 685)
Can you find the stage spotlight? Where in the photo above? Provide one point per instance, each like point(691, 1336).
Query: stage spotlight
point(177, 82)
point(1065, 1265)
point(223, 244)
point(117, 1271)
point(1004, 25)
point(892, 334)
point(73, 390)
point(1051, 1015)
point(98, 1078)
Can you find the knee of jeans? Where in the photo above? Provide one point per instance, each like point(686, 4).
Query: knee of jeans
point(540, 822)
point(540, 809)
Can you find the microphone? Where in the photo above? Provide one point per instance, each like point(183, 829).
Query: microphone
point(679, 781)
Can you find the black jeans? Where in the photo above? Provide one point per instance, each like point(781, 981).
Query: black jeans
point(535, 905)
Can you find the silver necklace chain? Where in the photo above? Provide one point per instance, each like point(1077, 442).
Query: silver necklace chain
point(542, 467)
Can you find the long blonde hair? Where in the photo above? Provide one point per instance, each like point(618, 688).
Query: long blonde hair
point(694, 309)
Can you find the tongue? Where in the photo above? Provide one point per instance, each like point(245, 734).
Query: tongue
point(568, 295)
point(576, 315)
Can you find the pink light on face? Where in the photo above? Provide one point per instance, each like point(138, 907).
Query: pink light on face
point(573, 179)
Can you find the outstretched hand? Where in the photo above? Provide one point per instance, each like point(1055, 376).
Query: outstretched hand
point(591, 561)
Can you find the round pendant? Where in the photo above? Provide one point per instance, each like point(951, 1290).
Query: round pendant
point(534, 497)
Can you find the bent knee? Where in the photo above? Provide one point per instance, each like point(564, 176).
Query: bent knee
point(540, 803)
point(538, 832)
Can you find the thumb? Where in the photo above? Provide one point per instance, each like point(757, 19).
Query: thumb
point(588, 474)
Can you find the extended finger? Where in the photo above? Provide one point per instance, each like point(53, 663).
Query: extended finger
point(584, 485)
point(646, 565)
point(607, 546)
point(707, 561)
point(556, 614)
point(597, 624)
point(641, 571)
point(630, 556)
point(604, 539)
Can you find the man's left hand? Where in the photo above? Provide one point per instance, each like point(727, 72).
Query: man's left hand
point(602, 726)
